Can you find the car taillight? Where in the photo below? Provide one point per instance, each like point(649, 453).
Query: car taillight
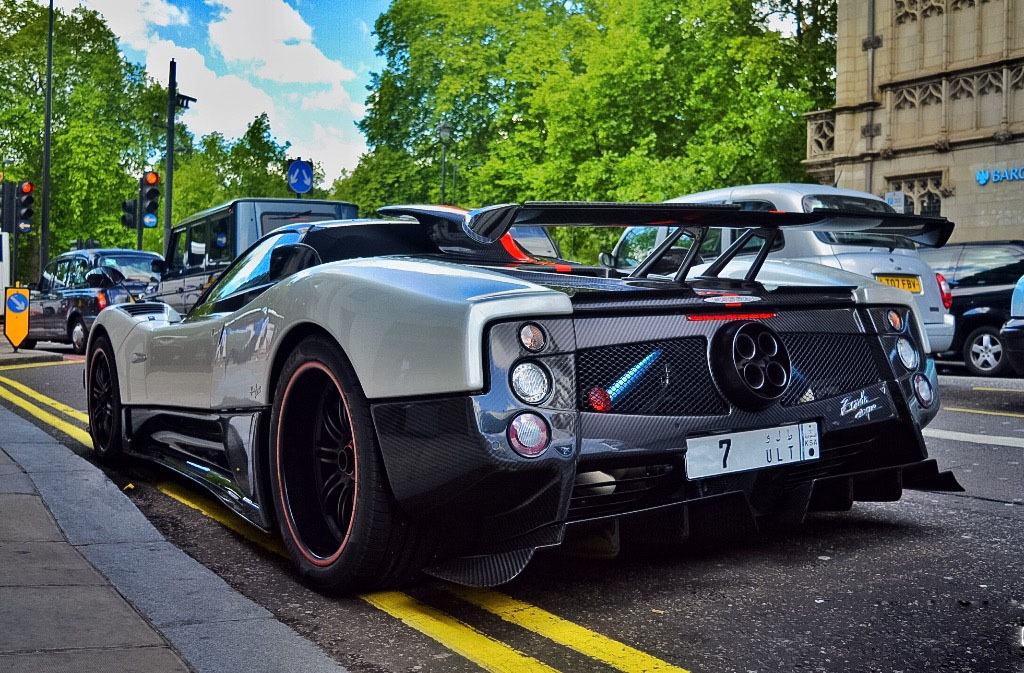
point(101, 299)
point(947, 294)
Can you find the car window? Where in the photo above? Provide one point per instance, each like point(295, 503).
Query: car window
point(46, 281)
point(197, 239)
point(752, 246)
point(60, 274)
point(636, 246)
point(220, 242)
point(534, 240)
point(989, 266)
point(134, 267)
point(941, 260)
point(249, 272)
point(179, 241)
point(76, 276)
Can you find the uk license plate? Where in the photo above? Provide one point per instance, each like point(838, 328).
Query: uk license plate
point(908, 283)
point(751, 450)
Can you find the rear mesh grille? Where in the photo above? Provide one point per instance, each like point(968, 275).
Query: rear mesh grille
point(826, 365)
point(676, 381)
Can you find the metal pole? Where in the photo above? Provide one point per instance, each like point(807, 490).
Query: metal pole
point(138, 219)
point(44, 219)
point(172, 100)
point(444, 168)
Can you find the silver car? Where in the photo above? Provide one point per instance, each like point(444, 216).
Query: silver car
point(892, 260)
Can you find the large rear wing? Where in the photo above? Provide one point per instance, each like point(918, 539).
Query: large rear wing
point(492, 222)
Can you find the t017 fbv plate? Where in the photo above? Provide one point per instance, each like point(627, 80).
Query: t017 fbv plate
point(751, 450)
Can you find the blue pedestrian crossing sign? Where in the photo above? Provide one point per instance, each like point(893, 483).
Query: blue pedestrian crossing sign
point(300, 176)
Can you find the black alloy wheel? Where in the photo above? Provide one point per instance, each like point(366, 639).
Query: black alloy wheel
point(104, 401)
point(337, 516)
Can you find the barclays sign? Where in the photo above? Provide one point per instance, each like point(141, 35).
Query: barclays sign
point(999, 175)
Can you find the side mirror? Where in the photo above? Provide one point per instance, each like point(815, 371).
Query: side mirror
point(286, 260)
point(158, 266)
point(607, 260)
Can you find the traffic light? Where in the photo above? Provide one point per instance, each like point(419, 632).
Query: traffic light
point(128, 218)
point(23, 206)
point(149, 197)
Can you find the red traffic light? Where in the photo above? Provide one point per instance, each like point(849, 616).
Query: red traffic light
point(26, 187)
point(151, 178)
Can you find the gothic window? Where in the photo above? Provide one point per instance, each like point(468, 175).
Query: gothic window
point(963, 4)
point(823, 133)
point(925, 191)
point(1016, 80)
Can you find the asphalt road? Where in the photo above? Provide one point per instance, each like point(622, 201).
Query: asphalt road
point(934, 582)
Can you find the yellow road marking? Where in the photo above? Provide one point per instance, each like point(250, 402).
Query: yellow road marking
point(997, 390)
point(49, 401)
point(563, 632)
point(987, 413)
point(223, 516)
point(48, 418)
point(485, 652)
point(32, 365)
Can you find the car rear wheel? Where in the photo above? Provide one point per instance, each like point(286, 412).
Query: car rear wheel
point(984, 352)
point(335, 510)
point(104, 402)
point(78, 335)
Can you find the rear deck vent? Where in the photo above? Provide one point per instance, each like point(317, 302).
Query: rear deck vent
point(143, 308)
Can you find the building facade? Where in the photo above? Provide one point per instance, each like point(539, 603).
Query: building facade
point(930, 102)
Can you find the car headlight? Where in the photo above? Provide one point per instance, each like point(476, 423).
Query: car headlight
point(530, 382)
point(907, 352)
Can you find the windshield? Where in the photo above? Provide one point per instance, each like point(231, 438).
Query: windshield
point(134, 267)
point(861, 204)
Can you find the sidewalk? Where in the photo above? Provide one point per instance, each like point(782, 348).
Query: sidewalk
point(24, 355)
point(88, 584)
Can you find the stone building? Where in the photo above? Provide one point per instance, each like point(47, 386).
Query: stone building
point(930, 102)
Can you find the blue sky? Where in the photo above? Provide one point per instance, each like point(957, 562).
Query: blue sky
point(305, 62)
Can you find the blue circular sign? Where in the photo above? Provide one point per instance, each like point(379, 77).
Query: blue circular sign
point(300, 176)
point(149, 220)
point(222, 239)
point(17, 303)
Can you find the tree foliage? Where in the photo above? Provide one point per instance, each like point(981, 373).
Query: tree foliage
point(593, 99)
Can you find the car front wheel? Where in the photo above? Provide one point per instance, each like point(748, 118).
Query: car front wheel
point(104, 401)
point(335, 510)
point(984, 352)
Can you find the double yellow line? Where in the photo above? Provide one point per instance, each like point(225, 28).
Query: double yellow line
point(486, 652)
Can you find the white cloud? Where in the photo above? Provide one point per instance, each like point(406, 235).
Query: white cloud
point(331, 149)
point(131, 21)
point(273, 41)
point(335, 98)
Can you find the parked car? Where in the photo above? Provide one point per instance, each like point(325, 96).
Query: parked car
point(886, 258)
point(204, 244)
point(63, 305)
point(982, 277)
point(397, 394)
point(1012, 332)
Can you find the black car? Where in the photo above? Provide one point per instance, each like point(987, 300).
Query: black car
point(981, 276)
point(63, 304)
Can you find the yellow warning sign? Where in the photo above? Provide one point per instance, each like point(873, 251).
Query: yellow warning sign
point(16, 315)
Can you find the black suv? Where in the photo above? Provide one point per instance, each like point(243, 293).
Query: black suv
point(982, 276)
point(64, 303)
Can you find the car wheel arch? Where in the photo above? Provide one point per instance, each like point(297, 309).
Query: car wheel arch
point(972, 320)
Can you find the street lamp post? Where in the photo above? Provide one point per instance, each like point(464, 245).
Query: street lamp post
point(444, 134)
point(44, 217)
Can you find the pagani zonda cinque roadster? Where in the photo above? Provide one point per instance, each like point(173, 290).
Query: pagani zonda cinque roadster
point(422, 392)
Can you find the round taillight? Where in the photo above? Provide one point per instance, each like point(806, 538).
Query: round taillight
point(907, 352)
point(923, 390)
point(530, 382)
point(528, 434)
point(532, 337)
point(895, 320)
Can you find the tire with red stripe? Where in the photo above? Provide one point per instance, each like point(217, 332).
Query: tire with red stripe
point(335, 510)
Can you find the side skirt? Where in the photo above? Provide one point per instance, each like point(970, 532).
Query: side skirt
point(218, 450)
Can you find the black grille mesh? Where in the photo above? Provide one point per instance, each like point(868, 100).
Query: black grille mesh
point(677, 384)
point(826, 365)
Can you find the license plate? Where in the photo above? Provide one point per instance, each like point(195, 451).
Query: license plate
point(908, 283)
point(751, 450)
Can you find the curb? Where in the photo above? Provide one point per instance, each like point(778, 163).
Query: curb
point(9, 357)
point(213, 627)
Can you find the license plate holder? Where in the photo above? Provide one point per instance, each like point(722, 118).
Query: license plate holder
point(730, 452)
point(903, 282)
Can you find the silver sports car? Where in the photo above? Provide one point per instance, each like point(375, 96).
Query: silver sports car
point(423, 393)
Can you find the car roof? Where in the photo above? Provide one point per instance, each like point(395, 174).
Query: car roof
point(100, 252)
point(256, 199)
point(766, 190)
